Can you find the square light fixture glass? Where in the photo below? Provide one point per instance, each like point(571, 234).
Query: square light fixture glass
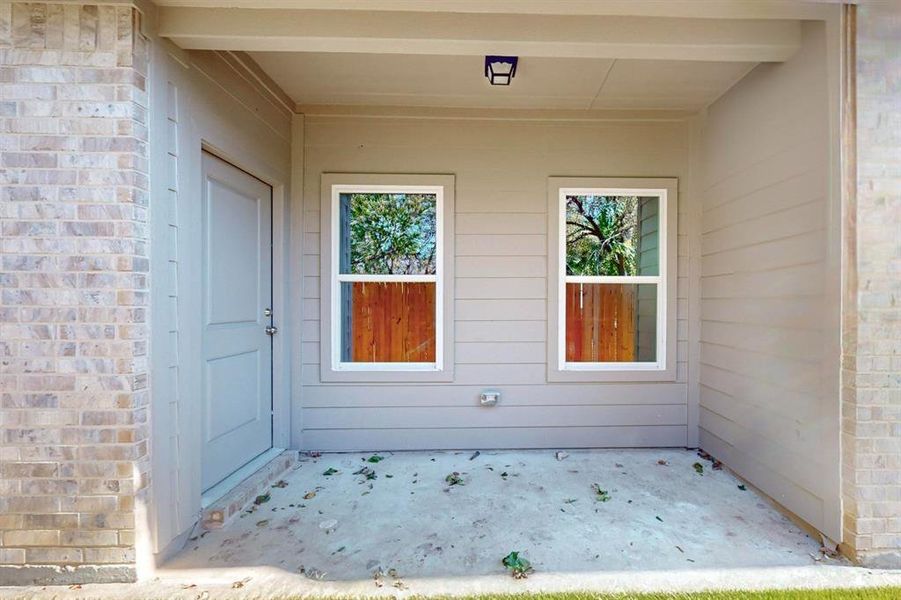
point(500, 70)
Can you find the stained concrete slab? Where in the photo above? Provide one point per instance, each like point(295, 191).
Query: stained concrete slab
point(410, 519)
point(664, 527)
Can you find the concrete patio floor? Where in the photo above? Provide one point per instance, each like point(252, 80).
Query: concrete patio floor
point(664, 526)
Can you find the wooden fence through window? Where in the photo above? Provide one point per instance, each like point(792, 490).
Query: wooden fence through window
point(600, 322)
point(392, 322)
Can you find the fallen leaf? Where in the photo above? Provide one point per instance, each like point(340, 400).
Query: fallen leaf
point(519, 566)
point(263, 523)
point(239, 584)
point(375, 458)
point(309, 495)
point(454, 479)
point(699, 468)
point(600, 495)
point(330, 471)
point(188, 586)
point(663, 463)
point(261, 499)
point(75, 586)
point(742, 487)
point(659, 519)
point(281, 483)
point(475, 455)
point(366, 472)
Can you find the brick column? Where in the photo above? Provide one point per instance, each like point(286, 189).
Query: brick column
point(871, 423)
point(74, 283)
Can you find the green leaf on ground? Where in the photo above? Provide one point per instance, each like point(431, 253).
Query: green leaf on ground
point(519, 566)
point(699, 468)
point(261, 499)
point(600, 495)
point(742, 487)
point(330, 471)
point(375, 458)
point(366, 472)
point(454, 479)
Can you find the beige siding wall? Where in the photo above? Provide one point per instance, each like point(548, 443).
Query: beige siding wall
point(871, 424)
point(769, 321)
point(501, 170)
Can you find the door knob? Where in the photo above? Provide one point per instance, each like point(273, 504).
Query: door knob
point(271, 330)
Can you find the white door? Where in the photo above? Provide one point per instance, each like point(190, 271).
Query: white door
point(237, 301)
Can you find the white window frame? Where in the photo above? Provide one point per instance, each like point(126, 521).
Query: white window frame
point(332, 367)
point(663, 369)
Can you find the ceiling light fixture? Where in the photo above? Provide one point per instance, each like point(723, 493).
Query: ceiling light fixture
point(500, 70)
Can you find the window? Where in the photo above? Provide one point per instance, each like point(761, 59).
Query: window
point(388, 257)
point(612, 295)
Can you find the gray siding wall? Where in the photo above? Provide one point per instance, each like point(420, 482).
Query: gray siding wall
point(769, 319)
point(501, 170)
point(203, 98)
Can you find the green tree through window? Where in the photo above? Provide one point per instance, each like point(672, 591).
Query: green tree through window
point(392, 234)
point(600, 235)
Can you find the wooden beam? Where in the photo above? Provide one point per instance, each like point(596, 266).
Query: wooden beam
point(561, 36)
point(705, 9)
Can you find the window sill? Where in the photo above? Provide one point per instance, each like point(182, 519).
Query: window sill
point(369, 374)
point(652, 373)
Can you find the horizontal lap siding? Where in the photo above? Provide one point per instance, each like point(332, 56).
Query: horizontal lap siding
point(501, 171)
point(765, 404)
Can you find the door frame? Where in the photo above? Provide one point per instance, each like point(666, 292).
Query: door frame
point(281, 400)
point(211, 493)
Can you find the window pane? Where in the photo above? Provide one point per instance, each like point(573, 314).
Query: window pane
point(387, 322)
point(607, 322)
point(612, 235)
point(383, 234)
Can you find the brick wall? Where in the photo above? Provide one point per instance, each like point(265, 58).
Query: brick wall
point(871, 427)
point(73, 278)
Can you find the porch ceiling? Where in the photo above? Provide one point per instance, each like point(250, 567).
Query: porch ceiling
point(433, 58)
point(458, 81)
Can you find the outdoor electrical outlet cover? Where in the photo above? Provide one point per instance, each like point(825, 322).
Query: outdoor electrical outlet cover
point(489, 397)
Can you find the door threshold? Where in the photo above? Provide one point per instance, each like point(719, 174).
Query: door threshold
point(222, 488)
